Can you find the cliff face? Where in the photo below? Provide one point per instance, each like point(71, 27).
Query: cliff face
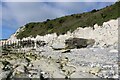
point(104, 35)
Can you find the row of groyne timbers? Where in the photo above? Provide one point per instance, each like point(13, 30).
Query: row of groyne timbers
point(22, 44)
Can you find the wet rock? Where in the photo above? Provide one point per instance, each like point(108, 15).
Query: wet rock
point(79, 42)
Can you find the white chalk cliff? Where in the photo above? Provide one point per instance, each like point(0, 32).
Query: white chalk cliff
point(104, 35)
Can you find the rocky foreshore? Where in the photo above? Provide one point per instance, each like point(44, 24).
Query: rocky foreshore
point(78, 63)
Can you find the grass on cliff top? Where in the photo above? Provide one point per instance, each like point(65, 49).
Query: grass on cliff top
point(71, 22)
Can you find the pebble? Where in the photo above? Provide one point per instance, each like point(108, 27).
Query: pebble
point(113, 51)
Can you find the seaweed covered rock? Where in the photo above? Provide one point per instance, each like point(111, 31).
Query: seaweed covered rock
point(79, 42)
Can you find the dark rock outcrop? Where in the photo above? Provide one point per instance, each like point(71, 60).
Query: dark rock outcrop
point(79, 42)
